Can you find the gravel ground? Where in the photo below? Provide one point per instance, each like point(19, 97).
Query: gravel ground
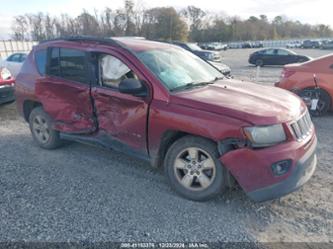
point(86, 193)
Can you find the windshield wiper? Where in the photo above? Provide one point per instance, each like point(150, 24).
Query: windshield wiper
point(218, 78)
point(190, 85)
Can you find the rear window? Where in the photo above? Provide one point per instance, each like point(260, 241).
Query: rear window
point(40, 59)
point(68, 64)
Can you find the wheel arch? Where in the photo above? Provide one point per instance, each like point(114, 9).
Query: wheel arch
point(167, 139)
point(28, 106)
point(224, 146)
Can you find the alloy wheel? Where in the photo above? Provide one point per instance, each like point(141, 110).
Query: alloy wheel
point(195, 169)
point(41, 129)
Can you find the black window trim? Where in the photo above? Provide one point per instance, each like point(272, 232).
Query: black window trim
point(35, 60)
point(87, 70)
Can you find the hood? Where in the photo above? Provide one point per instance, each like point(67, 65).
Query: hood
point(250, 102)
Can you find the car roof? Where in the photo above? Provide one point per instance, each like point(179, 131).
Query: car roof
point(128, 43)
point(277, 48)
point(143, 45)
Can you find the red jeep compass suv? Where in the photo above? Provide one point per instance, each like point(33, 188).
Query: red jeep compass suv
point(161, 103)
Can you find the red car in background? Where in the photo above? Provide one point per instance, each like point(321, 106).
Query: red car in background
point(300, 78)
point(6, 86)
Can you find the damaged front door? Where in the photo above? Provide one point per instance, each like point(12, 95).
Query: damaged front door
point(122, 118)
point(65, 91)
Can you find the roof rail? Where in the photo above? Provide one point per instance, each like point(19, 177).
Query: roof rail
point(83, 38)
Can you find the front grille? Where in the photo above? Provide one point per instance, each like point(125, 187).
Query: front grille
point(302, 127)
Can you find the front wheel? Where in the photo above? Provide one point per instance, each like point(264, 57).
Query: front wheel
point(41, 129)
point(324, 100)
point(193, 168)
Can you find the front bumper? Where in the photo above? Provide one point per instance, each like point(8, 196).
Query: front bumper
point(6, 93)
point(301, 173)
point(253, 168)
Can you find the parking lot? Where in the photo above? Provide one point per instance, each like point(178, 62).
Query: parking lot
point(81, 192)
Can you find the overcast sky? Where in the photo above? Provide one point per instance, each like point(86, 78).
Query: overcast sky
point(309, 11)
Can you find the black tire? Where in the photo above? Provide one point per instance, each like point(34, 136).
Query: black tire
point(324, 103)
point(259, 63)
point(217, 184)
point(53, 140)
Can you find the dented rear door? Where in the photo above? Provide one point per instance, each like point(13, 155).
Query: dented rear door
point(65, 91)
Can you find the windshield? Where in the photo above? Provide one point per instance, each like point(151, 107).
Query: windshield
point(177, 67)
point(193, 46)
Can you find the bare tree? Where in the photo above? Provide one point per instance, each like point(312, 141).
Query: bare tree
point(20, 28)
point(194, 17)
point(163, 23)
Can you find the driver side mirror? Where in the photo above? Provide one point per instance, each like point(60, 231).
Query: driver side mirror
point(133, 87)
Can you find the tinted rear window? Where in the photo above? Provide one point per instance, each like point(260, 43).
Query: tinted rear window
point(68, 64)
point(72, 65)
point(40, 59)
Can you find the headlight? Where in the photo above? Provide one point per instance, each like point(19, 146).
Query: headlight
point(5, 74)
point(263, 136)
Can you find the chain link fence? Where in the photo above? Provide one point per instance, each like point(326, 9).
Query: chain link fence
point(9, 47)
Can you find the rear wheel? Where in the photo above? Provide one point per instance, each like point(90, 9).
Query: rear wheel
point(193, 168)
point(324, 101)
point(41, 128)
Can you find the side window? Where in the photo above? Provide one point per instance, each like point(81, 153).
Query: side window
point(331, 67)
point(14, 58)
point(69, 64)
point(269, 52)
point(113, 71)
point(73, 65)
point(282, 52)
point(23, 57)
point(40, 59)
